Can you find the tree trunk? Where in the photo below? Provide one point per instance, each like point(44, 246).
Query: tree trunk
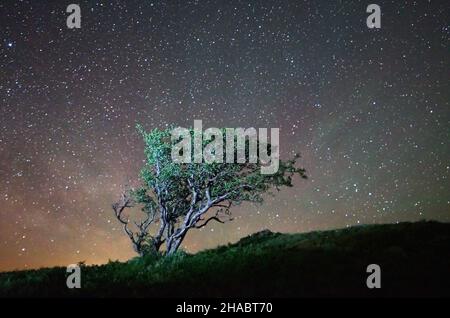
point(174, 243)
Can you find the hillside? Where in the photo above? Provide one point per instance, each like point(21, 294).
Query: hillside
point(414, 260)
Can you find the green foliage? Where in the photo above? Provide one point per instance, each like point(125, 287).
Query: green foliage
point(173, 182)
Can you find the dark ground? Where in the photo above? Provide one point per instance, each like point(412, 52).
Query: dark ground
point(414, 260)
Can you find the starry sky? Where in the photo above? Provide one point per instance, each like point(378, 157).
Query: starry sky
point(368, 109)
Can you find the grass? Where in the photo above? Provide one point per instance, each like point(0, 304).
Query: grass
point(414, 260)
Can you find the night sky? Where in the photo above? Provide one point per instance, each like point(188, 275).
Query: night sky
point(368, 109)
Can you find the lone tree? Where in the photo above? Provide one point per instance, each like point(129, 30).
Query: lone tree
point(177, 197)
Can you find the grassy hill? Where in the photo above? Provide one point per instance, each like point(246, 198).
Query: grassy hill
point(414, 260)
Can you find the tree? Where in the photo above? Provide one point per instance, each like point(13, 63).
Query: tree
point(176, 197)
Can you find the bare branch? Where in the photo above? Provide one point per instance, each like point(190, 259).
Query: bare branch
point(137, 238)
point(212, 218)
point(215, 218)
